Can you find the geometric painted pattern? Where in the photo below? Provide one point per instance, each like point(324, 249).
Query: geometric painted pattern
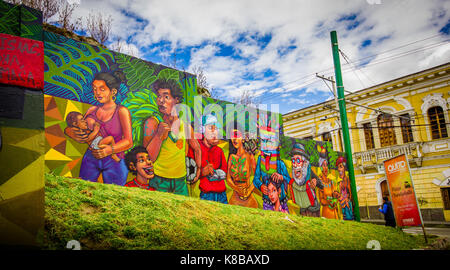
point(21, 185)
point(62, 155)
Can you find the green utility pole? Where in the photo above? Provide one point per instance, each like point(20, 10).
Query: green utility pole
point(344, 122)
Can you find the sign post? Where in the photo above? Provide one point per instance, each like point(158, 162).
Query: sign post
point(403, 196)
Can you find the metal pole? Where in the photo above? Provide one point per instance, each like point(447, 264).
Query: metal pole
point(344, 122)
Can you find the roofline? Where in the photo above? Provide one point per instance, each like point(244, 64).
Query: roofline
point(374, 86)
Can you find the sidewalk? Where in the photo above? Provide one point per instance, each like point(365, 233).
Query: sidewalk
point(445, 224)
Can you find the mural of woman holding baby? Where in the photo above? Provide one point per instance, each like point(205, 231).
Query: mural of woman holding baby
point(115, 121)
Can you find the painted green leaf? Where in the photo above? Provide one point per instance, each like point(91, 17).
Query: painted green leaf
point(169, 74)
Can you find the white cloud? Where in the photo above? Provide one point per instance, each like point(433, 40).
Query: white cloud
point(298, 31)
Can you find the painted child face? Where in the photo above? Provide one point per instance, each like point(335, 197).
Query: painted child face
point(81, 123)
point(166, 101)
point(144, 165)
point(273, 193)
point(236, 138)
point(101, 91)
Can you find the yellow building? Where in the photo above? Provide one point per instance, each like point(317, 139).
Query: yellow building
point(407, 115)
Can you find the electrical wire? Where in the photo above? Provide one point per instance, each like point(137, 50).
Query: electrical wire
point(378, 61)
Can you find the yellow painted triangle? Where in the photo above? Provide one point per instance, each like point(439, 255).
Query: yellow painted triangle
point(52, 154)
point(34, 143)
point(222, 145)
point(31, 178)
point(71, 151)
point(68, 174)
point(70, 107)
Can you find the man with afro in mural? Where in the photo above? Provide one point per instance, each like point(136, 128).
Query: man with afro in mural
point(168, 141)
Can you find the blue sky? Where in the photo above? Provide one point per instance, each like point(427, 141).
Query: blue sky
point(274, 48)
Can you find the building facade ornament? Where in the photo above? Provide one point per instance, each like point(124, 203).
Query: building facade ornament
point(433, 100)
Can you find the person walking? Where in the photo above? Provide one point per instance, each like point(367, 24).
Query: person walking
point(388, 212)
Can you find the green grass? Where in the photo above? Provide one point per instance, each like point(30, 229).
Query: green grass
point(104, 216)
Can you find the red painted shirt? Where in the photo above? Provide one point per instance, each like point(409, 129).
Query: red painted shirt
point(134, 183)
point(216, 157)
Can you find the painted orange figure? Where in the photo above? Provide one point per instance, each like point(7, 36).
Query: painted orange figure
point(241, 165)
point(328, 195)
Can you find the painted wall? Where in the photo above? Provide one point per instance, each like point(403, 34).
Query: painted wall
point(21, 126)
point(205, 150)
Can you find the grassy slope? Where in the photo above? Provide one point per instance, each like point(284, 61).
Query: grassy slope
point(111, 217)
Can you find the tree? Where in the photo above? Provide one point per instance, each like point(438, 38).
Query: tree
point(99, 26)
point(201, 77)
point(203, 86)
point(247, 98)
point(65, 13)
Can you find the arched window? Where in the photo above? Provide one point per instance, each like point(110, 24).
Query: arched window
point(326, 137)
point(437, 122)
point(386, 130)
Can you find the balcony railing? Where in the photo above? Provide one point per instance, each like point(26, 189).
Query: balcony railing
point(374, 157)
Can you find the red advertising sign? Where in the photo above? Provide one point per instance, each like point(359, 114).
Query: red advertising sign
point(401, 188)
point(21, 61)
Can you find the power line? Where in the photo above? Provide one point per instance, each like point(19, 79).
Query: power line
point(383, 60)
point(361, 59)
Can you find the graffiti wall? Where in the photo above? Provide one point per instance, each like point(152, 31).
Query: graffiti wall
point(21, 126)
point(116, 119)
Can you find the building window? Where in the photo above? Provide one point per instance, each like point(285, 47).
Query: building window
point(308, 138)
point(368, 135)
point(386, 130)
point(326, 137)
point(405, 123)
point(437, 123)
point(446, 198)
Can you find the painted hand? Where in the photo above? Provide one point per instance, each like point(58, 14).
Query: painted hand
point(104, 151)
point(76, 134)
point(277, 177)
point(264, 190)
point(196, 177)
point(163, 131)
point(207, 170)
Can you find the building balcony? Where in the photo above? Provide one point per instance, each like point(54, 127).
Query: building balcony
point(373, 158)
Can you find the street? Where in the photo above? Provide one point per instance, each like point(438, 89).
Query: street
point(440, 232)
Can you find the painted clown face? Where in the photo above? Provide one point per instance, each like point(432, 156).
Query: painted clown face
point(269, 140)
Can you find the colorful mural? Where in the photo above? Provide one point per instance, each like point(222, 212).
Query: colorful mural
point(116, 119)
point(21, 126)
